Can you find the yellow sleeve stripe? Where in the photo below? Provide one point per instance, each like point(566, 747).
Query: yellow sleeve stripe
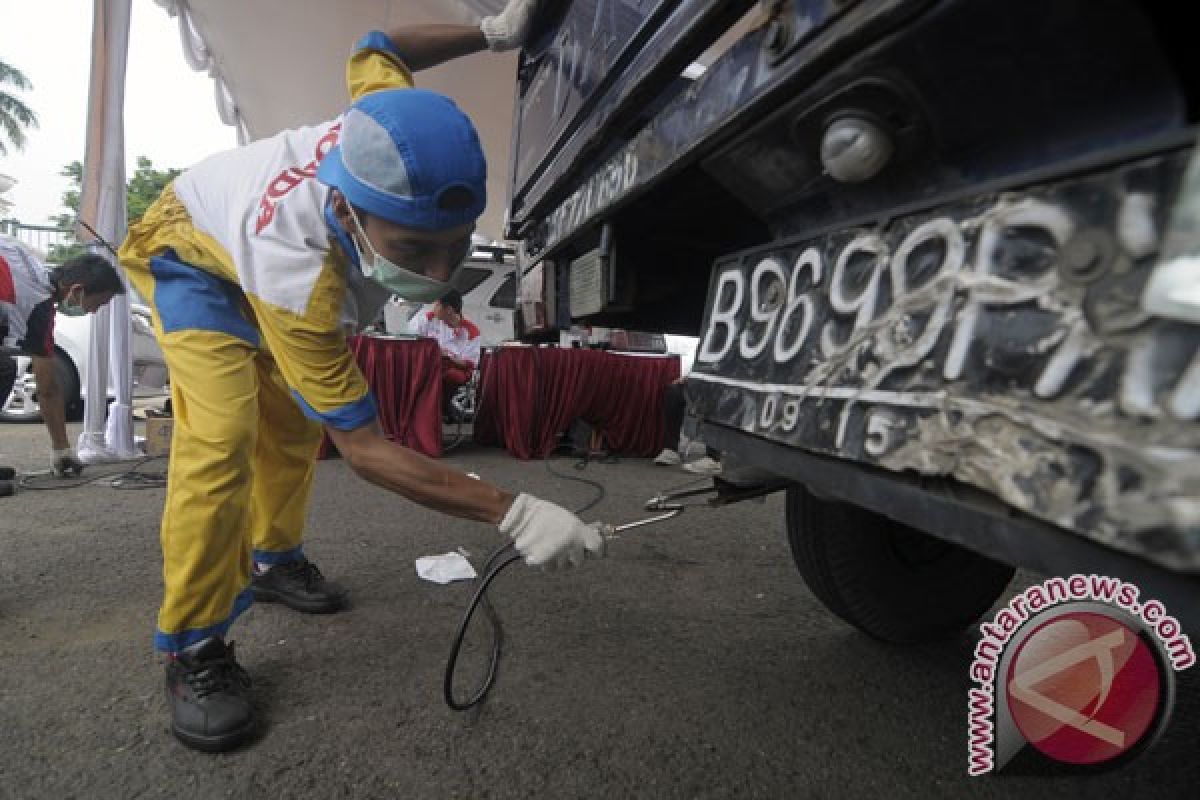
point(376, 65)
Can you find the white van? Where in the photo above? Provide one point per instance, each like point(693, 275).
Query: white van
point(71, 337)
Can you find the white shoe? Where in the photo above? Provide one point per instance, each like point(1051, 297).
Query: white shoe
point(667, 458)
point(704, 466)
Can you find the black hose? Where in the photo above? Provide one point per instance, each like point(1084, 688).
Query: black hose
point(495, 564)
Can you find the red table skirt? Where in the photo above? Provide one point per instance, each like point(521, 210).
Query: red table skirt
point(529, 396)
point(405, 375)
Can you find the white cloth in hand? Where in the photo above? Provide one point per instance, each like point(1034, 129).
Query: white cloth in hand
point(547, 535)
point(66, 463)
point(508, 29)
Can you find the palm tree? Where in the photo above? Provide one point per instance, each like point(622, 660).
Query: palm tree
point(15, 116)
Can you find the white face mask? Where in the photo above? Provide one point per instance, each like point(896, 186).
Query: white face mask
point(408, 284)
point(72, 309)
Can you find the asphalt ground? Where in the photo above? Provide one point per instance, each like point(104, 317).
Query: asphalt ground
point(692, 662)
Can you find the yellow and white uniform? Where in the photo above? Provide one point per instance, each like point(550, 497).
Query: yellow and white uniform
point(241, 261)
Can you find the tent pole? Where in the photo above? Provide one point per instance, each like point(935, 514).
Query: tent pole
point(108, 432)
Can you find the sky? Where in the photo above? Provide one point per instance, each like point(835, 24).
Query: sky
point(170, 110)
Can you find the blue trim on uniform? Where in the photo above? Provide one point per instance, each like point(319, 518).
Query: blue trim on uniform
point(341, 234)
point(284, 557)
point(188, 298)
point(174, 642)
point(378, 40)
point(349, 417)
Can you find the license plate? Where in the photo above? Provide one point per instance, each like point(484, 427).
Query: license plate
point(1000, 340)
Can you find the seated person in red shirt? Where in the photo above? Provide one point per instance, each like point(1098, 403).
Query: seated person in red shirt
point(456, 335)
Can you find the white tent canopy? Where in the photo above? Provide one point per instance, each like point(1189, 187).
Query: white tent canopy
point(282, 64)
point(275, 64)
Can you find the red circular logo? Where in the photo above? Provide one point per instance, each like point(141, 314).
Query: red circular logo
point(1084, 688)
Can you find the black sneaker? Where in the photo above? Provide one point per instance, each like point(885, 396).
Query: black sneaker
point(299, 586)
point(208, 695)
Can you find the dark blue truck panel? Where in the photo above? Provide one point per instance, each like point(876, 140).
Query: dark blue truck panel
point(965, 313)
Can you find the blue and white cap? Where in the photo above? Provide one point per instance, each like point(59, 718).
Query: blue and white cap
point(410, 156)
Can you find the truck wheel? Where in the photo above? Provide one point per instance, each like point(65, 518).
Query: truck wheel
point(890, 581)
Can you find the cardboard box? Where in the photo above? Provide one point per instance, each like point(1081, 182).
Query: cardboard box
point(158, 435)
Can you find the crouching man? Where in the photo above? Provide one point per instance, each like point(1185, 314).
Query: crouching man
point(31, 294)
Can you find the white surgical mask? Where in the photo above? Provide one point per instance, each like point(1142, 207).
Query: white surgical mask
point(69, 309)
point(406, 283)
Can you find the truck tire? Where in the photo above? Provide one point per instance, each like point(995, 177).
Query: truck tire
point(890, 581)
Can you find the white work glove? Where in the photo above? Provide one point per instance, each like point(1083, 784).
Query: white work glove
point(66, 463)
point(549, 536)
point(508, 29)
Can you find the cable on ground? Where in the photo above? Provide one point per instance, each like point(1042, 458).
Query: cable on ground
point(127, 478)
point(496, 564)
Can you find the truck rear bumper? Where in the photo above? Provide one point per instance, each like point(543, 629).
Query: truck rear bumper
point(963, 515)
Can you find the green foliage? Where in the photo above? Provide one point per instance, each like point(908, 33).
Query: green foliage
point(15, 116)
point(145, 187)
point(142, 189)
point(70, 198)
